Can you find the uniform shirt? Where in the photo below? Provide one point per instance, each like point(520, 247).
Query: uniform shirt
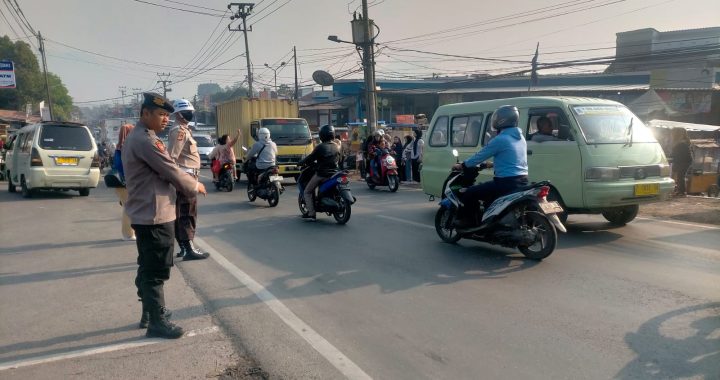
point(266, 158)
point(151, 178)
point(510, 151)
point(183, 147)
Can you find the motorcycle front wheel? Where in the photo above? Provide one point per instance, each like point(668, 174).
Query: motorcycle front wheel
point(274, 196)
point(342, 215)
point(545, 236)
point(393, 183)
point(444, 219)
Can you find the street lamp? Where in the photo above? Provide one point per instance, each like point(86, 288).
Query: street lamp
point(275, 70)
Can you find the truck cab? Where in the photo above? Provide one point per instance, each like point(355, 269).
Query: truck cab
point(292, 137)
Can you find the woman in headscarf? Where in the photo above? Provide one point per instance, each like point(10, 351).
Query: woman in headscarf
point(682, 159)
point(224, 152)
point(127, 232)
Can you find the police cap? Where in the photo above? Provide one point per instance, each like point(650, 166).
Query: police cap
point(155, 100)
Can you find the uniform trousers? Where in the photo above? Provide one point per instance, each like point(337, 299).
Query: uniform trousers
point(186, 216)
point(155, 244)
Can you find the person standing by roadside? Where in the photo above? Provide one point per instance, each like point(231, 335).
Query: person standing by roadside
point(127, 232)
point(152, 180)
point(183, 149)
point(407, 158)
point(418, 147)
point(682, 159)
point(397, 150)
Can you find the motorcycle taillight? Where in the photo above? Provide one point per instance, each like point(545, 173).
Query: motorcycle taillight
point(227, 166)
point(544, 191)
point(343, 180)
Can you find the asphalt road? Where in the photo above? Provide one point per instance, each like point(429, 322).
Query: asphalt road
point(383, 297)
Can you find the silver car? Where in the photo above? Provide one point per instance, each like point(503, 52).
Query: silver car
point(205, 145)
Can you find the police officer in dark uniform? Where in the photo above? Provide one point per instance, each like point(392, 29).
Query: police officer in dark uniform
point(183, 149)
point(152, 178)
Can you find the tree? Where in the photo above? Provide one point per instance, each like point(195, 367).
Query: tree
point(30, 82)
point(231, 92)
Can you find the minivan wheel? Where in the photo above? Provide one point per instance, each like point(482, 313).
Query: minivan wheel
point(11, 185)
point(84, 192)
point(26, 193)
point(621, 215)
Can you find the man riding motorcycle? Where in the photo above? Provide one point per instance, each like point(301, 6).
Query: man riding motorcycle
point(326, 157)
point(509, 150)
point(374, 150)
point(266, 151)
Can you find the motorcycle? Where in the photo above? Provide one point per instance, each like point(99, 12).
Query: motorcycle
point(225, 180)
point(333, 195)
point(269, 186)
point(524, 219)
point(388, 175)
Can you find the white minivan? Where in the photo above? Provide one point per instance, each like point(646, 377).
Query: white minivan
point(53, 155)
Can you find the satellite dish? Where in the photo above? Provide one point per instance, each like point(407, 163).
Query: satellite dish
point(323, 78)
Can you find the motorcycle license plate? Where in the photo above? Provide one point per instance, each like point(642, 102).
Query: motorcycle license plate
point(551, 207)
point(274, 178)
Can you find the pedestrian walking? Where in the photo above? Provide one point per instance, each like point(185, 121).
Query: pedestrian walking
point(184, 151)
point(153, 180)
point(407, 158)
point(127, 232)
point(418, 147)
point(682, 159)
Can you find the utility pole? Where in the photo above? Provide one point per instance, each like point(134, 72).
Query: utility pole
point(244, 10)
point(137, 92)
point(41, 47)
point(368, 46)
point(296, 77)
point(164, 82)
point(123, 90)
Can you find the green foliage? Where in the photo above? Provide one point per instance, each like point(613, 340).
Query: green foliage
point(230, 92)
point(30, 81)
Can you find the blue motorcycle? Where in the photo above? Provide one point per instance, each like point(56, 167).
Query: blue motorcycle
point(333, 195)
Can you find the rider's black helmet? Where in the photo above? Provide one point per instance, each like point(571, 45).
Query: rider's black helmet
point(505, 117)
point(327, 133)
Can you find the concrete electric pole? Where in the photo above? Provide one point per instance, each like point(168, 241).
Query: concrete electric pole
point(296, 73)
point(165, 83)
point(243, 11)
point(41, 47)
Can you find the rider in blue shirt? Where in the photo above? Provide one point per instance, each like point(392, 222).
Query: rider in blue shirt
point(509, 150)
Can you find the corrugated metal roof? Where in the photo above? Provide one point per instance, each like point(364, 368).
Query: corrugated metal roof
point(622, 87)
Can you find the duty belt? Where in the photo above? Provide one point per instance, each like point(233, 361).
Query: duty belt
point(193, 172)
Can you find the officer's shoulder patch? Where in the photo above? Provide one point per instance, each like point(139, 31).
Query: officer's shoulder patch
point(181, 135)
point(160, 146)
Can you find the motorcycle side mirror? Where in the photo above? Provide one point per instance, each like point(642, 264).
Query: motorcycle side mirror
point(244, 148)
point(456, 155)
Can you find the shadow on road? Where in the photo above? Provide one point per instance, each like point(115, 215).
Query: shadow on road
point(584, 234)
point(684, 343)
point(14, 279)
point(45, 246)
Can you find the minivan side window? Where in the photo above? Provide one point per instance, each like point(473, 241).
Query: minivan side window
point(490, 132)
point(439, 136)
point(26, 141)
point(558, 121)
point(466, 130)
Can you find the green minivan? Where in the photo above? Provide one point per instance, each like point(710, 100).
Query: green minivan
point(600, 157)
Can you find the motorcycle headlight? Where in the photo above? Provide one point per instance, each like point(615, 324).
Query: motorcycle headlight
point(602, 174)
point(389, 160)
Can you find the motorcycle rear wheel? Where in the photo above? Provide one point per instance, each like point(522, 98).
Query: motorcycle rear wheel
point(251, 192)
point(546, 236)
point(274, 196)
point(369, 182)
point(343, 214)
point(301, 204)
point(444, 225)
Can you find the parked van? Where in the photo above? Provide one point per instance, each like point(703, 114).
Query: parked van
point(53, 155)
point(600, 158)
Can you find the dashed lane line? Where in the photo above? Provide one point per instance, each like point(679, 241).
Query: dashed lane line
point(343, 364)
point(406, 221)
point(42, 359)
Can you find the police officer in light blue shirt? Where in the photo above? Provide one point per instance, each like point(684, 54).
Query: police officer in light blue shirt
point(509, 150)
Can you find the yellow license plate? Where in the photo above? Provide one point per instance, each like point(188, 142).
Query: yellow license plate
point(66, 161)
point(647, 189)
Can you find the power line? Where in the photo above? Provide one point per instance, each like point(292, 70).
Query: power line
point(179, 9)
point(275, 10)
point(194, 6)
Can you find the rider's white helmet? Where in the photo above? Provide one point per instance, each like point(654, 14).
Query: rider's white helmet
point(263, 134)
point(182, 105)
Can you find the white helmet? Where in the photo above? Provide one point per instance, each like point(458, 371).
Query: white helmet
point(263, 134)
point(379, 132)
point(183, 105)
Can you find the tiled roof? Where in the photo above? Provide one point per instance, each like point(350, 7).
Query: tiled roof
point(12, 115)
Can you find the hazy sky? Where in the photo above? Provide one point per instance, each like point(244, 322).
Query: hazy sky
point(160, 39)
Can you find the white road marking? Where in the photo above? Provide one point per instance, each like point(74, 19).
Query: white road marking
point(681, 223)
point(407, 222)
point(320, 344)
point(97, 350)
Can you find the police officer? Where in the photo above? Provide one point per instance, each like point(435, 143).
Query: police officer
point(183, 149)
point(152, 178)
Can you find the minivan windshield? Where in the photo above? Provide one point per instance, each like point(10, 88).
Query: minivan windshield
point(611, 124)
point(288, 131)
point(65, 137)
point(204, 141)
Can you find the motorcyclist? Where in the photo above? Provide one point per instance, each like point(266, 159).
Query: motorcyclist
point(509, 150)
point(375, 147)
point(265, 150)
point(327, 157)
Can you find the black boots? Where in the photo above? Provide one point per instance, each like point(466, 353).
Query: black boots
point(145, 318)
point(160, 327)
point(189, 252)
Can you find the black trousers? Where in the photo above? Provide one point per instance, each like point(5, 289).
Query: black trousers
point(416, 170)
point(488, 192)
point(155, 244)
point(186, 216)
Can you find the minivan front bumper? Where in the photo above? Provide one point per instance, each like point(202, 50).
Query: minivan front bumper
point(601, 194)
point(41, 178)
